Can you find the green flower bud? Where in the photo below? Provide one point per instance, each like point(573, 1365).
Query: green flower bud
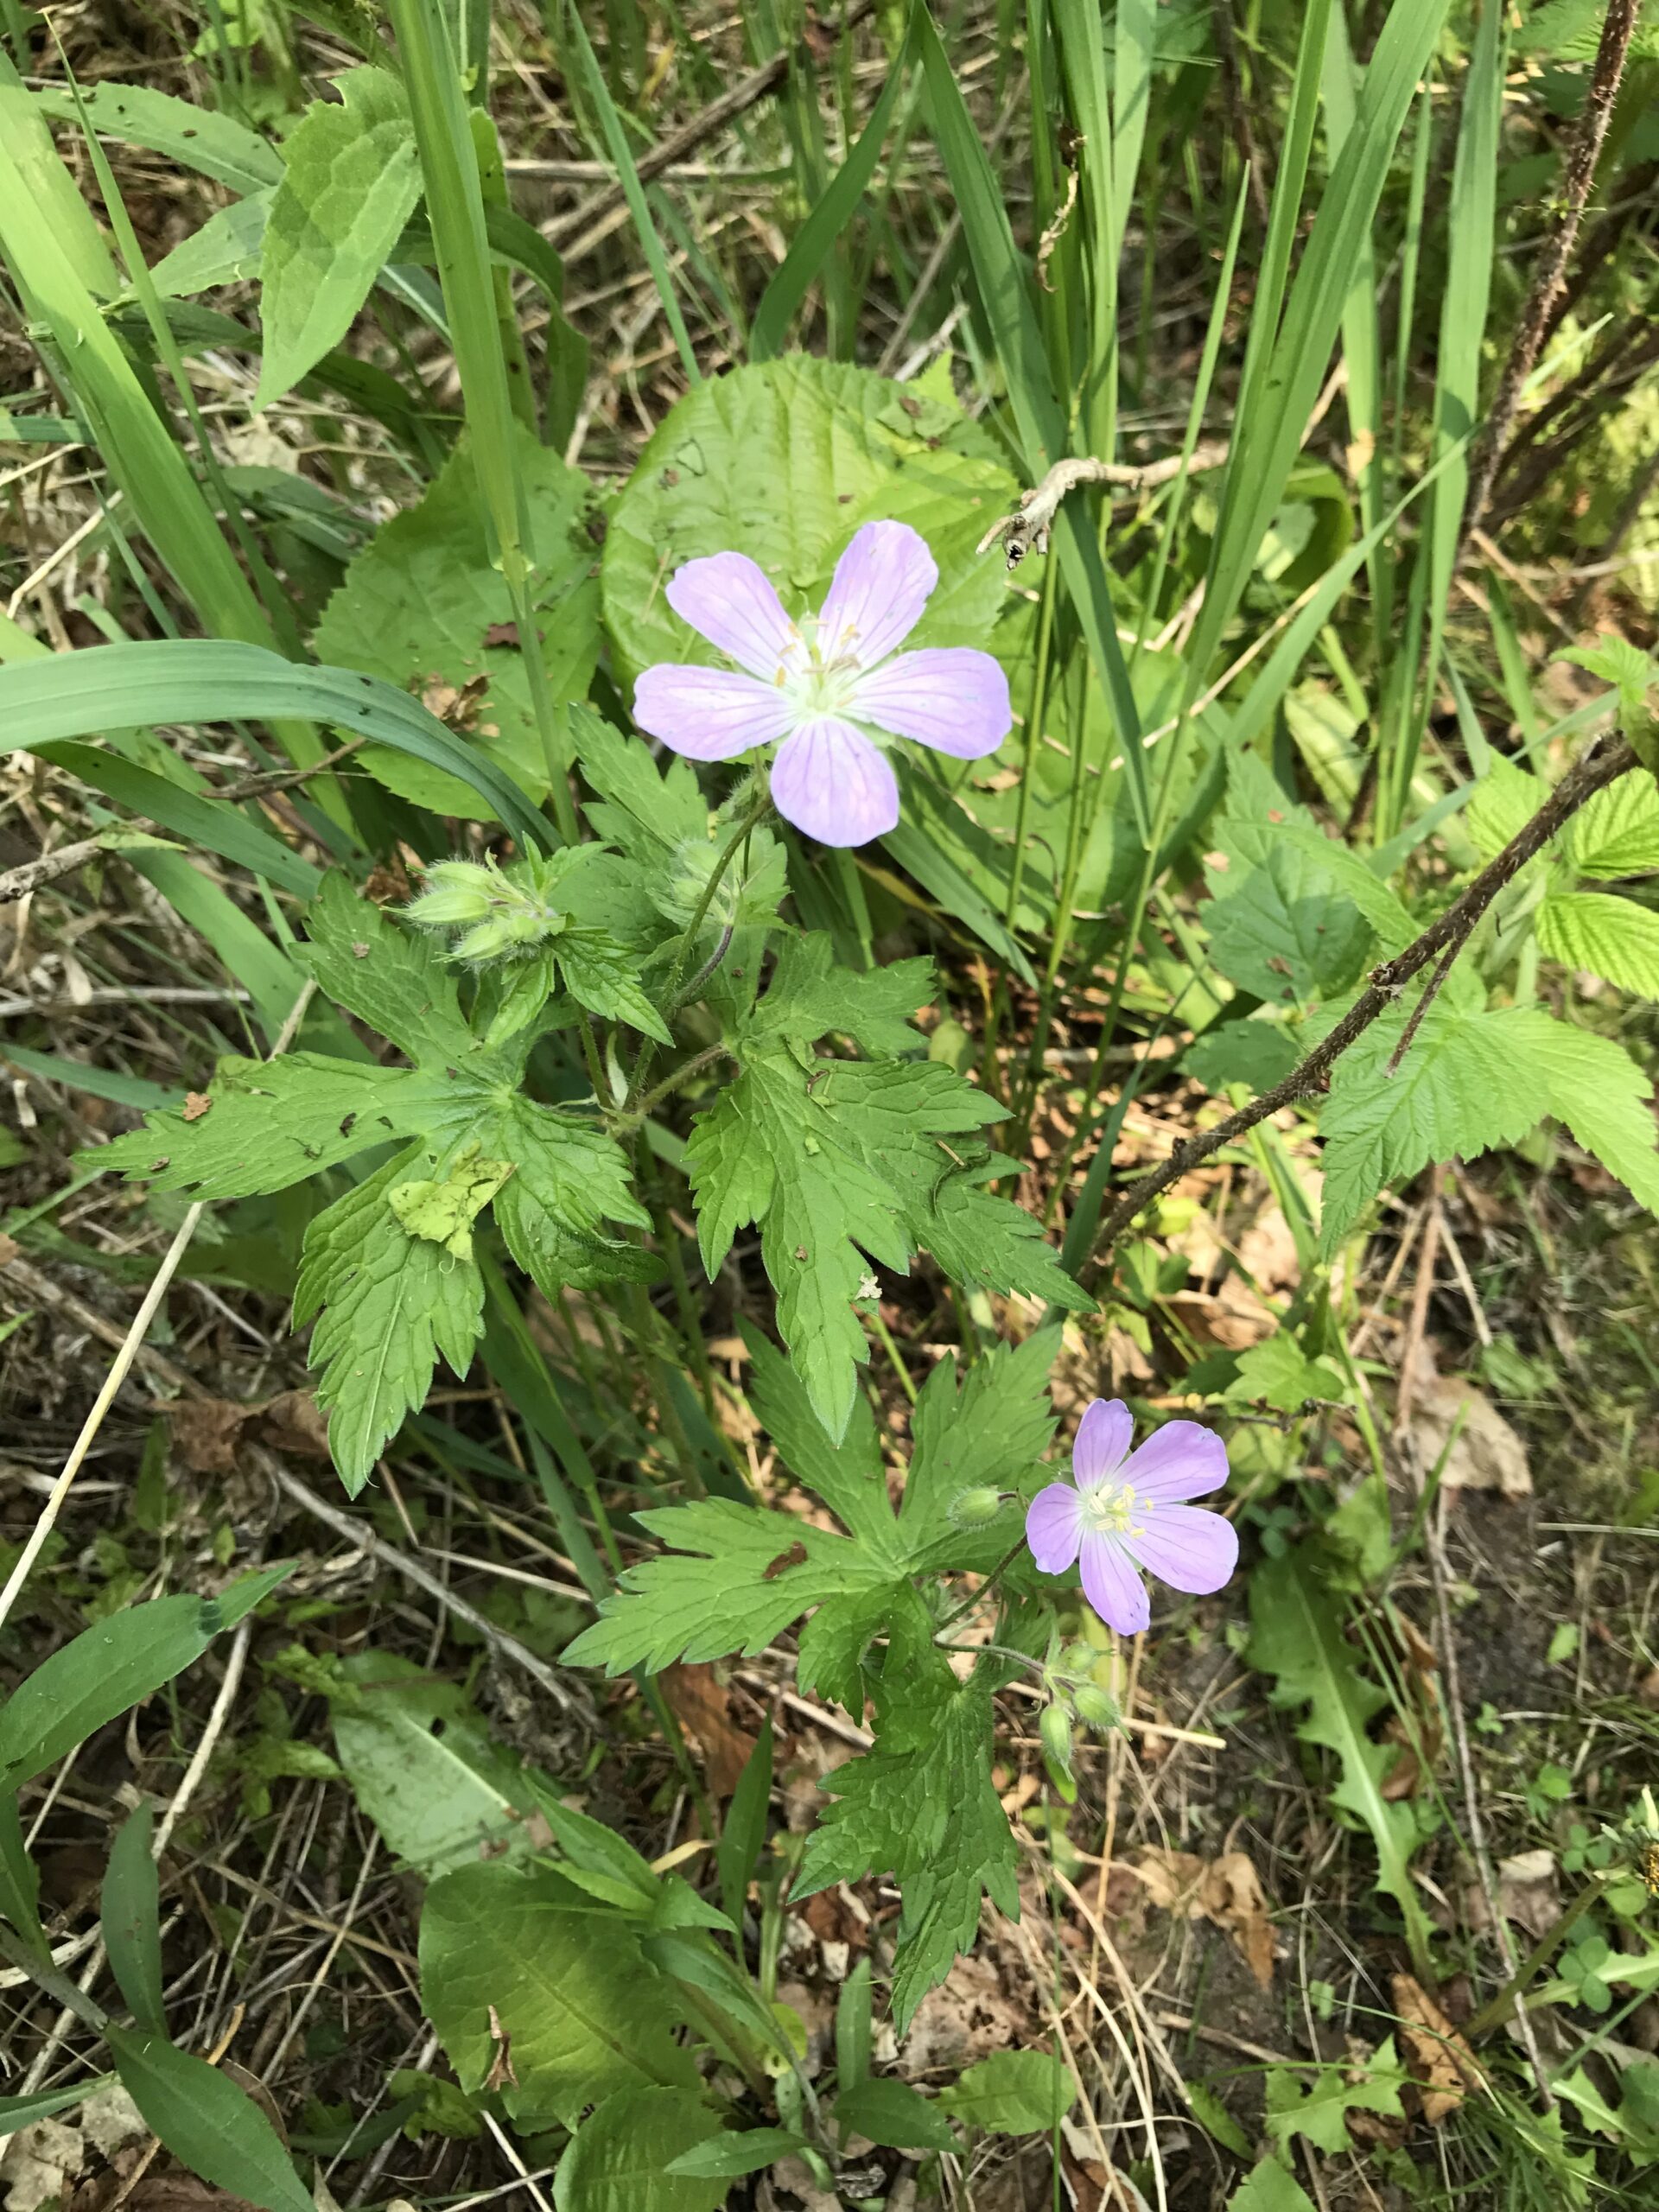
point(1094, 1707)
point(1055, 1731)
point(457, 892)
point(972, 1509)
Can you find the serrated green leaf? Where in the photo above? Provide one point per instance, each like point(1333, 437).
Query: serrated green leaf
point(1616, 832)
point(352, 178)
point(833, 1644)
point(393, 979)
point(627, 2156)
point(921, 1807)
point(270, 1124)
point(991, 1433)
point(1296, 1637)
point(424, 607)
point(1501, 806)
point(1613, 937)
point(1280, 1374)
point(603, 975)
point(1466, 1085)
point(848, 1476)
point(1216, 2121)
point(1597, 1088)
point(1318, 2111)
point(586, 2016)
point(1255, 1052)
point(209, 2125)
point(856, 1158)
point(736, 1578)
point(1286, 933)
point(389, 1303)
point(812, 994)
point(1012, 2093)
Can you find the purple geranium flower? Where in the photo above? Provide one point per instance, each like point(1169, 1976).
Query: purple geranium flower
point(825, 683)
point(1125, 1512)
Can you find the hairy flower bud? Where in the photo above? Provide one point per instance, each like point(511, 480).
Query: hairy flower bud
point(972, 1509)
point(457, 892)
point(1055, 1731)
point(1096, 1706)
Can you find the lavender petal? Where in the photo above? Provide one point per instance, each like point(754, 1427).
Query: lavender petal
point(1181, 1460)
point(881, 583)
point(729, 600)
point(1104, 1435)
point(709, 714)
point(1186, 1546)
point(1112, 1586)
point(1054, 1526)
point(830, 781)
point(951, 697)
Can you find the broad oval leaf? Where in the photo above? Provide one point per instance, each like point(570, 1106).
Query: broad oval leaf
point(625, 2157)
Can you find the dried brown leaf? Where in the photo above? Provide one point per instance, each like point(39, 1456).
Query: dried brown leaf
point(702, 1704)
point(1441, 2063)
point(1226, 1892)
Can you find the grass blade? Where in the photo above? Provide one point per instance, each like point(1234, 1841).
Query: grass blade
point(207, 680)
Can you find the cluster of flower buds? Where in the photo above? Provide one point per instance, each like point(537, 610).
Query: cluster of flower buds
point(501, 912)
point(1075, 1695)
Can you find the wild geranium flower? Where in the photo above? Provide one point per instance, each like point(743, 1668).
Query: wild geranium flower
point(1123, 1510)
point(833, 687)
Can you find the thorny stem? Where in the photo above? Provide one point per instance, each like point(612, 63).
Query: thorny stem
point(1600, 767)
point(1547, 278)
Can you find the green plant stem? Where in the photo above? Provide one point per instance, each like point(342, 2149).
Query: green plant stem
point(740, 837)
point(978, 1597)
point(1498, 2009)
point(670, 1084)
point(46, 1975)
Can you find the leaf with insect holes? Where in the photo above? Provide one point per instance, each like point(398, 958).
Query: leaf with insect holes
point(1296, 1637)
point(845, 1161)
point(424, 606)
point(1613, 937)
point(737, 1577)
point(388, 1267)
point(353, 177)
point(1319, 2110)
point(921, 1807)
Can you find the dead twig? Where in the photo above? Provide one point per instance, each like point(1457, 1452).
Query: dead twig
point(1026, 531)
